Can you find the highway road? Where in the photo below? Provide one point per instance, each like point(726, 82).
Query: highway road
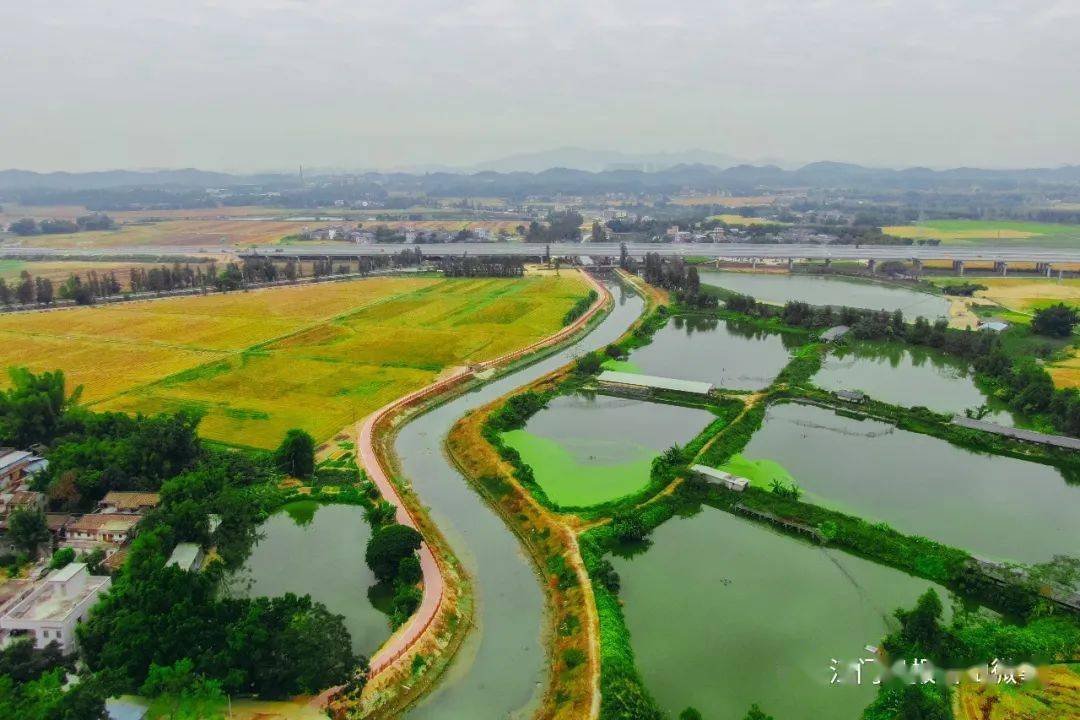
point(1004, 253)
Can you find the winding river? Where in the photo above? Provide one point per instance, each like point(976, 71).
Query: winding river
point(501, 669)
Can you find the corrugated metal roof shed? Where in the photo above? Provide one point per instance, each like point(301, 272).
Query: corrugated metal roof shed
point(651, 381)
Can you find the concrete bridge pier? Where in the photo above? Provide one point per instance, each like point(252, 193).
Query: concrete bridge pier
point(1043, 268)
point(958, 267)
point(790, 264)
point(871, 265)
point(916, 265)
point(1002, 267)
point(753, 263)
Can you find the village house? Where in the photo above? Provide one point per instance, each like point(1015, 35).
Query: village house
point(50, 610)
point(108, 530)
point(16, 466)
point(135, 503)
point(24, 499)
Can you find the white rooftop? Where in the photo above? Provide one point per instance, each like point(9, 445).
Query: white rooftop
point(652, 381)
point(58, 595)
point(184, 556)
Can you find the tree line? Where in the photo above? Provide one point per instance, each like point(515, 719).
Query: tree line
point(1026, 386)
point(56, 226)
point(85, 290)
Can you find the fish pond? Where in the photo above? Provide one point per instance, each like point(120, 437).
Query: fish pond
point(586, 450)
point(991, 506)
point(726, 353)
point(724, 613)
point(315, 549)
point(908, 376)
point(829, 290)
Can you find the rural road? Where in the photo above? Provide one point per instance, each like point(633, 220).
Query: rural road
point(369, 457)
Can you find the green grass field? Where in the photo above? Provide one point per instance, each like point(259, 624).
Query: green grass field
point(314, 357)
point(990, 232)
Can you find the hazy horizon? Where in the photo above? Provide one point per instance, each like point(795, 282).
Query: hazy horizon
point(268, 85)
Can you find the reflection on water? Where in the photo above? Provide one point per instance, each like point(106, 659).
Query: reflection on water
point(737, 356)
point(724, 613)
point(829, 290)
point(993, 506)
point(908, 376)
point(308, 548)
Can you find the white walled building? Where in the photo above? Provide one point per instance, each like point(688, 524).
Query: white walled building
point(49, 610)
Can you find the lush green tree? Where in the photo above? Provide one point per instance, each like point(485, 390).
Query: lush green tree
point(23, 662)
point(1055, 321)
point(25, 291)
point(598, 235)
point(388, 546)
point(27, 529)
point(756, 713)
point(178, 693)
point(114, 451)
point(691, 713)
point(628, 527)
point(32, 407)
point(62, 558)
point(920, 634)
point(32, 686)
point(24, 226)
point(296, 454)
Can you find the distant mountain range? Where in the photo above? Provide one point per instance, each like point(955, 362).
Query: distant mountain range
point(184, 178)
point(573, 158)
point(738, 179)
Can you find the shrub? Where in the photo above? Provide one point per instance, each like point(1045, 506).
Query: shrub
point(573, 657)
point(388, 546)
point(61, 558)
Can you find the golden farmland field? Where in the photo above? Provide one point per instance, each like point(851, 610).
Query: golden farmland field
point(1023, 294)
point(261, 362)
point(1055, 696)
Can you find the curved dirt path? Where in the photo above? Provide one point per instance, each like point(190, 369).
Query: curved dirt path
point(377, 470)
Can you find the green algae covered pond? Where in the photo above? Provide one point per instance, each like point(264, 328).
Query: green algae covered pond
point(992, 506)
point(833, 290)
point(725, 353)
point(724, 613)
point(908, 376)
point(315, 549)
point(585, 450)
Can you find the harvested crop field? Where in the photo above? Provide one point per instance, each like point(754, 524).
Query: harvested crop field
point(261, 362)
point(1054, 696)
point(999, 232)
point(205, 234)
point(1022, 294)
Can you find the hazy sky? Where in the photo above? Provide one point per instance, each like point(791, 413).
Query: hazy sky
point(267, 84)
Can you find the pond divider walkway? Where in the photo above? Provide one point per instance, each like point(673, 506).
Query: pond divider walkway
point(1061, 441)
point(784, 523)
point(378, 472)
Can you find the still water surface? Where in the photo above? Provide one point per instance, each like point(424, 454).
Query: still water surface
point(724, 613)
point(829, 290)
